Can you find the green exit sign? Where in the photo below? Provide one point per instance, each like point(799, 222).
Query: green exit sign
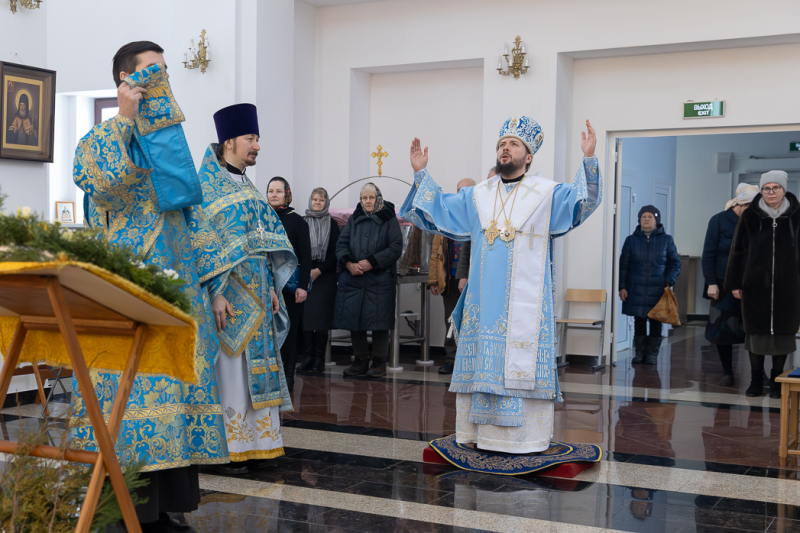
point(704, 109)
point(794, 147)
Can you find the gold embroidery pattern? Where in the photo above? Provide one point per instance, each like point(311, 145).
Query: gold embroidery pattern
point(237, 430)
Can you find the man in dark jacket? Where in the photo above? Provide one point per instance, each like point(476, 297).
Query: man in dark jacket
point(368, 250)
point(649, 262)
point(447, 260)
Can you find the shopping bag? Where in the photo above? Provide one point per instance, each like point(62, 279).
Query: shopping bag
point(666, 310)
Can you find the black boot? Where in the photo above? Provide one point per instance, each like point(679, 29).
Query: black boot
point(639, 349)
point(358, 368)
point(653, 348)
point(777, 369)
point(378, 369)
point(308, 355)
point(320, 345)
point(756, 387)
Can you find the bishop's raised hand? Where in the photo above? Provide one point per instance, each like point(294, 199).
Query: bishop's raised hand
point(588, 141)
point(419, 158)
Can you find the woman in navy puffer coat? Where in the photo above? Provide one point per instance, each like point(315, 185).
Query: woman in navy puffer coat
point(649, 263)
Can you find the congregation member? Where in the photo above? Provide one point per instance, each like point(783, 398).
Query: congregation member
point(764, 273)
point(368, 250)
point(649, 262)
point(447, 260)
point(295, 292)
point(318, 312)
point(250, 319)
point(506, 315)
point(724, 328)
point(181, 426)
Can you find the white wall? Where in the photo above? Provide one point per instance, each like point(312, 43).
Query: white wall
point(23, 40)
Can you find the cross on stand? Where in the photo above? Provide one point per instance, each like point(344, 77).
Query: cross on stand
point(379, 154)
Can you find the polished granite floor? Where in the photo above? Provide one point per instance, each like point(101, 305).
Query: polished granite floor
point(682, 455)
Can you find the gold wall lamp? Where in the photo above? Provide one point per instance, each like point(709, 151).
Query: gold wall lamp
point(517, 64)
point(27, 4)
point(197, 57)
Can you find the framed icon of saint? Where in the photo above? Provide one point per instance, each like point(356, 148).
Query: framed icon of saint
point(27, 112)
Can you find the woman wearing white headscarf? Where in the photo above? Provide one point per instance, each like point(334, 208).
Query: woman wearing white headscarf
point(318, 311)
point(764, 271)
point(724, 328)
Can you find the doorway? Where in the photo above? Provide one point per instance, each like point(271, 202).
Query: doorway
point(685, 179)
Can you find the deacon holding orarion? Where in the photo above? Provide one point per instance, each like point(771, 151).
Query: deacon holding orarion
point(505, 370)
point(251, 319)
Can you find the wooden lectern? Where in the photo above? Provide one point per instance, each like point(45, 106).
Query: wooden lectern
point(71, 300)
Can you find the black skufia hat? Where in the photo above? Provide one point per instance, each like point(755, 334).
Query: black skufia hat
point(236, 120)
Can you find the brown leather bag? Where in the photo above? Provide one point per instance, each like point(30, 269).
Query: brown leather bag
point(666, 310)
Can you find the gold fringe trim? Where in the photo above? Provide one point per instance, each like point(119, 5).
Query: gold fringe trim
point(273, 368)
point(257, 454)
point(259, 370)
point(269, 403)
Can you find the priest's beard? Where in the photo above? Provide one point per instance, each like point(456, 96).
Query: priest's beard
point(510, 168)
point(22, 113)
point(247, 161)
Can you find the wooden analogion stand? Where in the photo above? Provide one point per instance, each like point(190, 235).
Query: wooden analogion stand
point(69, 300)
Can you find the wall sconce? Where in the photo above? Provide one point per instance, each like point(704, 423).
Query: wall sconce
point(518, 63)
point(27, 4)
point(197, 57)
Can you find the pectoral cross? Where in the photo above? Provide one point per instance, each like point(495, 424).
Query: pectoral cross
point(380, 154)
point(492, 233)
point(261, 231)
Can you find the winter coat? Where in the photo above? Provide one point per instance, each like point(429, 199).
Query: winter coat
point(647, 265)
point(717, 247)
point(764, 265)
point(367, 302)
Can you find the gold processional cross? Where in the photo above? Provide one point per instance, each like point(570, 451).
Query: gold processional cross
point(379, 154)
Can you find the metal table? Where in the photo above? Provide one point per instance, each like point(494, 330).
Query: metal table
point(424, 324)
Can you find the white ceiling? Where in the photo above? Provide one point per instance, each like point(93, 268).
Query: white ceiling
point(326, 3)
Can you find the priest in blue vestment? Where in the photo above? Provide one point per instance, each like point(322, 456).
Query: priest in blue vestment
point(505, 370)
point(143, 193)
point(251, 318)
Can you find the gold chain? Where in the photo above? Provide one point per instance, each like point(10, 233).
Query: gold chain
point(508, 232)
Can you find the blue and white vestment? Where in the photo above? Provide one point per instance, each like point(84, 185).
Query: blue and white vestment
point(505, 371)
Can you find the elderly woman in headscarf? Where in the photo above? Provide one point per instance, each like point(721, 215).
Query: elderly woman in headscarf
point(724, 328)
point(368, 250)
point(295, 292)
point(764, 272)
point(318, 312)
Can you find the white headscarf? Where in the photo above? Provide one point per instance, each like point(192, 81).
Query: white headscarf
point(744, 195)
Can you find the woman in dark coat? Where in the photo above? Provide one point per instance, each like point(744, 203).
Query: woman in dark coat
point(649, 262)
point(368, 250)
point(764, 271)
point(318, 313)
point(279, 196)
point(724, 328)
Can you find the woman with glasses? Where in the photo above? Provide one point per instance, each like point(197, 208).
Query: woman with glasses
point(764, 272)
point(368, 250)
point(724, 328)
